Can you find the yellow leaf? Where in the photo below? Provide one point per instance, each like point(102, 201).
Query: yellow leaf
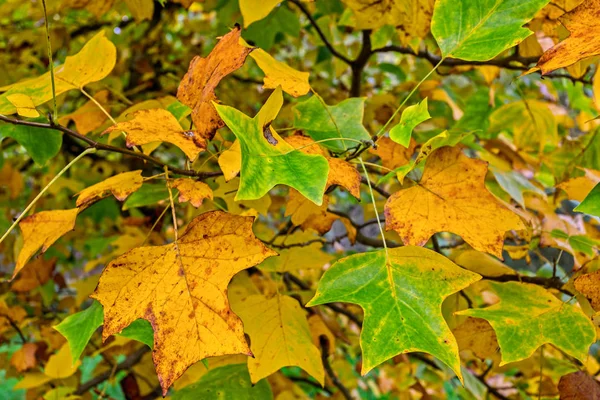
point(255, 10)
point(292, 81)
point(41, 230)
point(583, 42)
point(578, 188)
point(298, 257)
point(158, 125)
point(141, 9)
point(193, 191)
point(589, 286)
point(93, 63)
point(392, 154)
point(280, 337)
point(10, 315)
point(230, 161)
point(596, 87)
point(227, 192)
point(180, 288)
point(318, 328)
point(482, 263)
point(451, 197)
point(478, 336)
point(60, 365)
point(36, 273)
point(301, 208)
point(11, 179)
point(197, 88)
point(32, 380)
point(121, 186)
point(24, 105)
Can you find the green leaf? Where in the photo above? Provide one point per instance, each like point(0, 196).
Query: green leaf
point(79, 328)
point(401, 298)
point(529, 316)
point(227, 382)
point(591, 204)
point(148, 195)
point(41, 144)
point(279, 22)
point(343, 120)
point(479, 30)
point(140, 330)
point(268, 160)
point(515, 184)
point(411, 117)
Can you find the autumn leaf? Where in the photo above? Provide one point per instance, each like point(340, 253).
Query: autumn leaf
point(255, 10)
point(158, 125)
point(267, 160)
point(589, 286)
point(591, 203)
point(41, 230)
point(392, 154)
point(197, 88)
point(451, 197)
point(578, 386)
point(401, 291)
point(279, 335)
point(93, 63)
point(293, 82)
point(35, 273)
point(24, 358)
point(89, 117)
point(581, 43)
point(24, 105)
point(120, 186)
point(479, 31)
point(180, 289)
point(528, 316)
point(193, 191)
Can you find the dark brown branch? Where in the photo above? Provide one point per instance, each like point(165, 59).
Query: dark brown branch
point(330, 372)
point(106, 147)
point(376, 188)
point(313, 22)
point(14, 325)
point(129, 362)
point(358, 65)
point(548, 283)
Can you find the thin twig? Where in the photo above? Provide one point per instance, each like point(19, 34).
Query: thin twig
point(330, 372)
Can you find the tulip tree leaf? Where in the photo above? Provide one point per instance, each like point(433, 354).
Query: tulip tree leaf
point(320, 121)
point(401, 297)
point(411, 117)
point(479, 30)
point(528, 316)
point(268, 160)
point(591, 203)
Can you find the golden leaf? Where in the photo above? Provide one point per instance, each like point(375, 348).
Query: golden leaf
point(392, 154)
point(11, 179)
point(60, 365)
point(280, 336)
point(292, 81)
point(180, 288)
point(121, 186)
point(452, 197)
point(255, 10)
point(24, 105)
point(578, 188)
point(158, 125)
point(197, 88)
point(41, 230)
point(89, 116)
point(24, 358)
point(193, 191)
point(583, 42)
point(589, 286)
point(230, 161)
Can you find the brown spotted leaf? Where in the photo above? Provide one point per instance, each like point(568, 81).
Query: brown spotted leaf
point(181, 289)
point(197, 88)
point(589, 286)
point(121, 186)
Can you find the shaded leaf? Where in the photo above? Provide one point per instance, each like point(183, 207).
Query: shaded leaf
point(41, 144)
point(292, 81)
point(578, 386)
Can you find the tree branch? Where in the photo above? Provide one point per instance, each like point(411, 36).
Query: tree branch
point(313, 22)
point(106, 147)
point(330, 372)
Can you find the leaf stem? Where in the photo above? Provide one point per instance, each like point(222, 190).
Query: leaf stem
point(389, 121)
point(172, 203)
point(51, 62)
point(375, 207)
point(93, 100)
point(41, 193)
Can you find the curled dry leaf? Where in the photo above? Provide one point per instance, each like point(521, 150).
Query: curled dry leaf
point(181, 289)
point(451, 197)
point(158, 125)
point(193, 191)
point(197, 88)
point(583, 42)
point(41, 230)
point(121, 186)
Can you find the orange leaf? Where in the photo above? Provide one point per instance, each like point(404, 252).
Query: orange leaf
point(193, 191)
point(35, 273)
point(197, 88)
point(121, 186)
